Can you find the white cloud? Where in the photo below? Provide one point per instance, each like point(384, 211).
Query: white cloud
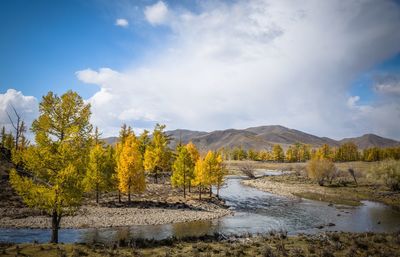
point(257, 62)
point(157, 13)
point(389, 88)
point(26, 107)
point(121, 23)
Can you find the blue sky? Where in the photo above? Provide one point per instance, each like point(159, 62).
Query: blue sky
point(209, 65)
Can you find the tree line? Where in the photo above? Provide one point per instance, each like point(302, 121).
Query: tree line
point(68, 159)
point(301, 153)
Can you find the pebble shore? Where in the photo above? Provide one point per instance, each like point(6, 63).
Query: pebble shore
point(100, 217)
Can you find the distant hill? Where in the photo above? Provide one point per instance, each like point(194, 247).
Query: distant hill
point(371, 140)
point(263, 137)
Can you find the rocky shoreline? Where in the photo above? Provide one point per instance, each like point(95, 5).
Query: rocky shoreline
point(102, 217)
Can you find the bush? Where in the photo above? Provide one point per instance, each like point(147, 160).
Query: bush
point(387, 171)
point(321, 170)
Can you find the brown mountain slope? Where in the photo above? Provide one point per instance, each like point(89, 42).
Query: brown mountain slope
point(263, 137)
point(371, 140)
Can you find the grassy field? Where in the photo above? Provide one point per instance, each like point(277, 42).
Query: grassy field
point(324, 245)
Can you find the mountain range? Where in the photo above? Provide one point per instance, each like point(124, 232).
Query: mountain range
point(263, 137)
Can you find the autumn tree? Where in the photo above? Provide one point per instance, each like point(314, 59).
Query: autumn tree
point(214, 171)
point(200, 177)
point(157, 157)
point(99, 170)
point(194, 155)
point(57, 160)
point(130, 172)
point(277, 153)
point(347, 152)
point(324, 152)
point(182, 169)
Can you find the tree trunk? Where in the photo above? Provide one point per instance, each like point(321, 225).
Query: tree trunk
point(210, 191)
point(97, 193)
point(184, 182)
point(129, 194)
point(119, 196)
point(155, 177)
point(200, 192)
point(190, 186)
point(55, 223)
point(218, 191)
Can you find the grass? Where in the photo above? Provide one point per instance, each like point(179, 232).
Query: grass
point(325, 245)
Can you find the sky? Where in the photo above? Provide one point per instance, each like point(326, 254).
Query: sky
point(330, 68)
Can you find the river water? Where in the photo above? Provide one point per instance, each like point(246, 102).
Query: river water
point(254, 212)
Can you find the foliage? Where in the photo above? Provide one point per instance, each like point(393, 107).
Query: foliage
point(277, 153)
point(57, 161)
point(130, 172)
point(387, 171)
point(321, 170)
point(182, 169)
point(99, 170)
point(347, 152)
point(157, 157)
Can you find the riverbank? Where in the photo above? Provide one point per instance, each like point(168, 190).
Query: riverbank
point(325, 244)
point(342, 191)
point(160, 204)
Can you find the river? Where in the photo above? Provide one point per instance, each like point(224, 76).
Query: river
point(254, 212)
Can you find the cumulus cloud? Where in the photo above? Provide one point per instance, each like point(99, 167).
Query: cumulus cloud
point(26, 107)
point(250, 63)
point(157, 13)
point(121, 23)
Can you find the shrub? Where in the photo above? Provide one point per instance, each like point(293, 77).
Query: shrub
point(387, 171)
point(321, 170)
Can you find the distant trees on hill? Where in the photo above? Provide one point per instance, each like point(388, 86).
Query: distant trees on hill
point(301, 153)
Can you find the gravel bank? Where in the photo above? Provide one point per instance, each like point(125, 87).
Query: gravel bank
point(97, 217)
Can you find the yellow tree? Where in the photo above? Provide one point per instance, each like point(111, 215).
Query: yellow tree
point(182, 169)
point(194, 155)
point(219, 172)
point(200, 176)
point(157, 157)
point(324, 152)
point(214, 171)
point(98, 172)
point(130, 172)
point(58, 158)
point(277, 153)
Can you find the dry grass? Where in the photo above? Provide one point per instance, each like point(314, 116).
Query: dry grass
point(330, 244)
point(343, 189)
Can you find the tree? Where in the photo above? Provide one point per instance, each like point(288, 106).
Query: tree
point(214, 171)
point(219, 172)
point(324, 152)
point(194, 155)
point(321, 170)
point(3, 136)
point(277, 153)
point(57, 160)
point(157, 157)
point(200, 175)
point(98, 173)
point(144, 141)
point(387, 171)
point(182, 169)
point(347, 152)
point(130, 172)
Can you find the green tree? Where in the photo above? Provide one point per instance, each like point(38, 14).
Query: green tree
point(57, 160)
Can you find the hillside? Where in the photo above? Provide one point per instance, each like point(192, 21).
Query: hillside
point(371, 140)
point(263, 137)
